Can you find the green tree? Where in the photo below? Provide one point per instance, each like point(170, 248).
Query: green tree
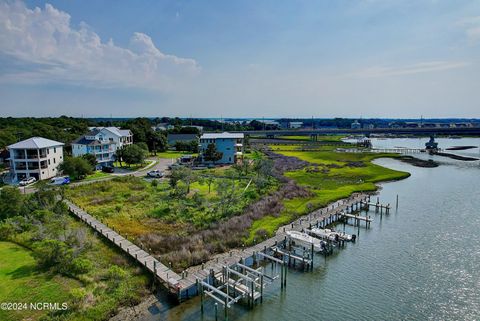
point(91, 159)
point(119, 155)
point(49, 253)
point(11, 202)
point(212, 154)
point(157, 141)
point(76, 167)
point(133, 154)
point(183, 174)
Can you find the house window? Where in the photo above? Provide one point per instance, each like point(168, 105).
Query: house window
point(54, 149)
point(229, 159)
point(48, 151)
point(48, 162)
point(54, 160)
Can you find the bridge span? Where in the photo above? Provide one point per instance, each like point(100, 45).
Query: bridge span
point(464, 131)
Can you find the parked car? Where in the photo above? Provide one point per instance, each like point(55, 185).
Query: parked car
point(155, 174)
point(108, 169)
point(27, 181)
point(176, 165)
point(63, 180)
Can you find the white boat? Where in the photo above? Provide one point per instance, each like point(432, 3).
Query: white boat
point(306, 240)
point(325, 234)
point(331, 235)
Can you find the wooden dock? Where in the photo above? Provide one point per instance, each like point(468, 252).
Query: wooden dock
point(165, 275)
point(186, 284)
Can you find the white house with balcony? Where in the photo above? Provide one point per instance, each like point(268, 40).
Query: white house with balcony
point(229, 144)
point(35, 157)
point(102, 142)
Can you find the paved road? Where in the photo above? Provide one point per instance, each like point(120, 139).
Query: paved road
point(161, 164)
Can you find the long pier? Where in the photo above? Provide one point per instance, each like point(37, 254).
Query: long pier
point(165, 275)
point(233, 273)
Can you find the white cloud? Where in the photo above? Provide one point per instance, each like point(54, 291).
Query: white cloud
point(471, 26)
point(423, 67)
point(46, 48)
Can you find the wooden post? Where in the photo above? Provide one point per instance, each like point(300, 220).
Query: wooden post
point(396, 204)
point(311, 264)
point(199, 285)
point(216, 311)
point(261, 287)
point(285, 278)
point(226, 309)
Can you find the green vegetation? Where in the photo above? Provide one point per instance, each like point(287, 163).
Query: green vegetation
point(190, 205)
point(63, 129)
point(173, 154)
point(76, 167)
point(96, 175)
point(132, 154)
point(60, 260)
point(22, 281)
point(330, 177)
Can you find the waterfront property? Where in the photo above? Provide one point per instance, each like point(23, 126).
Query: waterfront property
point(36, 157)
point(102, 142)
point(231, 145)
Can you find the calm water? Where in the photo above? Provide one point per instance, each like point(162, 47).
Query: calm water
point(421, 262)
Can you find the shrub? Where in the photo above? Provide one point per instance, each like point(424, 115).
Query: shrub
point(80, 266)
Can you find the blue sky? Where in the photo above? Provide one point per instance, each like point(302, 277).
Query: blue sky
point(346, 58)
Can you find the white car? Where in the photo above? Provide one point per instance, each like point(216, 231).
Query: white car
point(155, 174)
point(27, 181)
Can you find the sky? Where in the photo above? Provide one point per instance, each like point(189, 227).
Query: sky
point(248, 58)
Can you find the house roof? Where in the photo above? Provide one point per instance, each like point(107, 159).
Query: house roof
point(222, 135)
point(84, 141)
point(35, 143)
point(114, 130)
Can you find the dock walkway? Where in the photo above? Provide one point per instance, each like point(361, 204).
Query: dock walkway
point(167, 277)
point(184, 285)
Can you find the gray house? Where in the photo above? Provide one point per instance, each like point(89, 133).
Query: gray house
point(185, 138)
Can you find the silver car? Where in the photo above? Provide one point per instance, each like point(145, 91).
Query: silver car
point(155, 174)
point(27, 181)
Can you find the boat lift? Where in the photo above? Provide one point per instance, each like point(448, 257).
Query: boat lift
point(237, 282)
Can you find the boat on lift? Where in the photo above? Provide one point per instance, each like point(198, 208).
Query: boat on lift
point(328, 234)
point(307, 240)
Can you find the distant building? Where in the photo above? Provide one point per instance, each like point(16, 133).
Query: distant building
point(35, 157)
point(295, 124)
point(185, 138)
point(229, 144)
point(102, 142)
point(356, 125)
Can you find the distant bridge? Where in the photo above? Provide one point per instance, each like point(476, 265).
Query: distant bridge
point(364, 131)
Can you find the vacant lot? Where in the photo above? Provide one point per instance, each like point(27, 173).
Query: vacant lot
point(329, 176)
point(186, 220)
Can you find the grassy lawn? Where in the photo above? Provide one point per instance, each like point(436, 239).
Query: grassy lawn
point(133, 167)
point(332, 176)
point(173, 154)
point(21, 281)
point(96, 175)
